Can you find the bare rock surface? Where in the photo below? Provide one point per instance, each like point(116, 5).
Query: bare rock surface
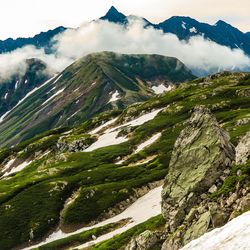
point(200, 156)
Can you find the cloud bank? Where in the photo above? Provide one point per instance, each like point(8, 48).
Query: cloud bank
point(200, 55)
point(15, 62)
point(197, 53)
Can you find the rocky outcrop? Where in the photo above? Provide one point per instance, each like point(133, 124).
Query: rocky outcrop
point(243, 149)
point(147, 240)
point(201, 155)
point(202, 190)
point(78, 145)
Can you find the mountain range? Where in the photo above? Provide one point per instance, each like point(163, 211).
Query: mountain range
point(93, 84)
point(183, 27)
point(42, 40)
point(125, 151)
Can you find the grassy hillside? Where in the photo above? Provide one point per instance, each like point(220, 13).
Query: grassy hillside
point(34, 198)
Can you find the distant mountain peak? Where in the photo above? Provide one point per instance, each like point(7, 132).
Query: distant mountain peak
point(181, 17)
point(113, 9)
point(222, 23)
point(113, 15)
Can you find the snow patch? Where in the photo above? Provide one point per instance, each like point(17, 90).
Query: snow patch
point(107, 139)
point(193, 30)
point(57, 79)
point(183, 25)
point(148, 142)
point(144, 118)
point(151, 204)
point(234, 235)
point(3, 116)
point(68, 132)
point(144, 161)
point(237, 46)
point(76, 89)
point(115, 97)
point(72, 115)
point(16, 85)
point(53, 96)
point(18, 168)
point(44, 154)
point(120, 162)
point(161, 89)
point(96, 130)
point(8, 165)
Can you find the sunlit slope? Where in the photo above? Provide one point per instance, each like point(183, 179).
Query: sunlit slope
point(70, 177)
point(98, 82)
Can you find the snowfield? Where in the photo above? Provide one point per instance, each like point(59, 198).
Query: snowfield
point(235, 235)
point(161, 89)
point(110, 136)
point(150, 204)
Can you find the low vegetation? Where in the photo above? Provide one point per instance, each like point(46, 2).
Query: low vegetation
point(34, 198)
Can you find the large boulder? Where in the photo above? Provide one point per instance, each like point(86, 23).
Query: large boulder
point(200, 156)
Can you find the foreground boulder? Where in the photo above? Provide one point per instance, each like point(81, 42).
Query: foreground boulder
point(201, 155)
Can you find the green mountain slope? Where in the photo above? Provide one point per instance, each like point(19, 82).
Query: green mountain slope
point(76, 164)
point(13, 90)
point(96, 83)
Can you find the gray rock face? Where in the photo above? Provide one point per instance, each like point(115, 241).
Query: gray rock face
point(147, 240)
point(201, 154)
point(243, 149)
point(76, 145)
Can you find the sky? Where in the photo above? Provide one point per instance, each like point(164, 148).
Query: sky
point(24, 18)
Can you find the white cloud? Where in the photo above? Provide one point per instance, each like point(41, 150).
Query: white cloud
point(198, 54)
point(14, 62)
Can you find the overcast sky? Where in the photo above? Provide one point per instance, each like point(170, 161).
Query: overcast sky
point(28, 17)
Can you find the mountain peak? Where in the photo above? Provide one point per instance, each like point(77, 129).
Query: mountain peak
point(222, 23)
point(113, 9)
point(113, 15)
